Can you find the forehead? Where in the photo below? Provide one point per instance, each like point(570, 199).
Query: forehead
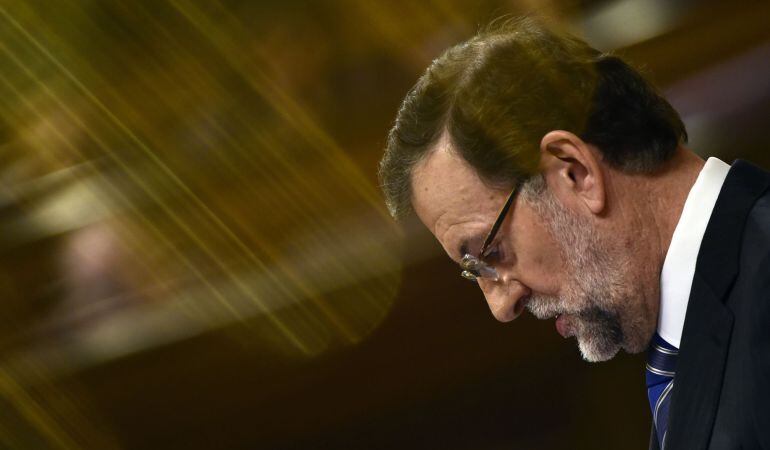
point(448, 195)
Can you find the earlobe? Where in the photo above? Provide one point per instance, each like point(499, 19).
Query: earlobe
point(573, 170)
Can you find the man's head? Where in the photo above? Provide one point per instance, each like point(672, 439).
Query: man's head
point(520, 103)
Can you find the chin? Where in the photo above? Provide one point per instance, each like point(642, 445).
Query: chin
point(638, 335)
point(598, 349)
point(638, 345)
point(593, 351)
point(603, 346)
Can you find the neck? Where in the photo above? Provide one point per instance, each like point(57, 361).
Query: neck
point(644, 212)
point(650, 206)
point(668, 190)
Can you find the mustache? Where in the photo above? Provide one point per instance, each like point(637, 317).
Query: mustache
point(548, 306)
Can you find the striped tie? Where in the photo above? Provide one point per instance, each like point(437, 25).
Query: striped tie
point(661, 366)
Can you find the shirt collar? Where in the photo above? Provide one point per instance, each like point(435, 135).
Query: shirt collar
point(679, 265)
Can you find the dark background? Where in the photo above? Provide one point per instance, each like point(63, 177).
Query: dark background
point(194, 253)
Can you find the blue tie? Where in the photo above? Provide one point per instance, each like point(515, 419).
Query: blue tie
point(661, 366)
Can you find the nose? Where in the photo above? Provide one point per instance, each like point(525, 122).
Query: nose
point(505, 298)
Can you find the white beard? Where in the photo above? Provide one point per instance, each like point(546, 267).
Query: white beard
point(597, 295)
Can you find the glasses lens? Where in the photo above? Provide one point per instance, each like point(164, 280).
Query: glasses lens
point(470, 262)
point(474, 268)
point(487, 272)
point(468, 275)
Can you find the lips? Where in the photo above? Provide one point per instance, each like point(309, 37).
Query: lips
point(563, 326)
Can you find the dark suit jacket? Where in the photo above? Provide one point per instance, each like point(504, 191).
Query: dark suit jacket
point(721, 394)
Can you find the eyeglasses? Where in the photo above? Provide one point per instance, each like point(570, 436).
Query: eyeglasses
point(474, 266)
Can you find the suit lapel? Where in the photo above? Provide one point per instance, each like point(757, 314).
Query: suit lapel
point(708, 322)
point(698, 380)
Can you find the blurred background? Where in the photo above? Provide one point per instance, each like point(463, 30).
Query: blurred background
point(194, 252)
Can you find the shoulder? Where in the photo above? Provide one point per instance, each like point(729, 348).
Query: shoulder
point(754, 265)
point(756, 232)
point(749, 224)
point(755, 248)
point(752, 286)
point(745, 200)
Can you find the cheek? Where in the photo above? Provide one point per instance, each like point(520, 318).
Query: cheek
point(538, 257)
point(541, 255)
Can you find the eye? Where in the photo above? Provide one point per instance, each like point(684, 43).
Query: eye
point(493, 254)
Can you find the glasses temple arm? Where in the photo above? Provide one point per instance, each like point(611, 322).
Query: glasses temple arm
point(499, 221)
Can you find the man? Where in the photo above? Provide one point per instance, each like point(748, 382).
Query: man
point(558, 179)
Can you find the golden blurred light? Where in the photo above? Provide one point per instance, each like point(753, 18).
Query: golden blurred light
point(176, 187)
point(622, 23)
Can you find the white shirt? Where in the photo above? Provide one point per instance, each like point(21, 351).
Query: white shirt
point(679, 265)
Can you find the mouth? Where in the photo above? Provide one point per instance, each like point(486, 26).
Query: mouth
point(564, 325)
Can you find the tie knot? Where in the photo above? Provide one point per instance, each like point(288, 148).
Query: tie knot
point(661, 357)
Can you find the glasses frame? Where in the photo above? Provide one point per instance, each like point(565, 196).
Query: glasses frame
point(474, 266)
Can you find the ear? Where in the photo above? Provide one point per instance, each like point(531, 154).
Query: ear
point(573, 171)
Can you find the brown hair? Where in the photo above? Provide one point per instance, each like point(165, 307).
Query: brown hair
point(499, 93)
